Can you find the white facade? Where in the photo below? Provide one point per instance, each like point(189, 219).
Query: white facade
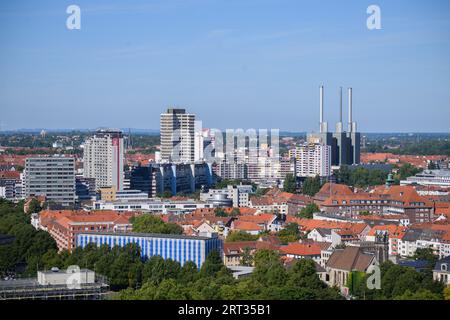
point(104, 158)
point(66, 277)
point(152, 205)
point(312, 159)
point(177, 136)
point(440, 178)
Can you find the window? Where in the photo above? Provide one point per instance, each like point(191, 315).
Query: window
point(444, 267)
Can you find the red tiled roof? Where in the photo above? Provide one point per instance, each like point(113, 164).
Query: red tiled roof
point(258, 218)
point(311, 224)
point(394, 231)
point(246, 226)
point(10, 175)
point(301, 249)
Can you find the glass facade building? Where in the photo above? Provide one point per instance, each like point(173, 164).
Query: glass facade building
point(176, 247)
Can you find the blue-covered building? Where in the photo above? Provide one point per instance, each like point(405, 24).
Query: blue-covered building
point(176, 247)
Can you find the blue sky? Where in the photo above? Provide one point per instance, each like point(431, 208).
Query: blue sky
point(234, 63)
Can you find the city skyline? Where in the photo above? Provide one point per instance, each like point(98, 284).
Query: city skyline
point(254, 64)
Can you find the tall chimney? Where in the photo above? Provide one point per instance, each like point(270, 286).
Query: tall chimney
point(350, 121)
point(321, 105)
point(339, 125)
point(340, 106)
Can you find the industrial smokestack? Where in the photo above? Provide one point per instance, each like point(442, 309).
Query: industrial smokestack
point(323, 125)
point(339, 125)
point(350, 120)
point(340, 106)
point(321, 105)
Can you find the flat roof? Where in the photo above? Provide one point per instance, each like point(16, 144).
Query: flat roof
point(64, 271)
point(23, 282)
point(149, 235)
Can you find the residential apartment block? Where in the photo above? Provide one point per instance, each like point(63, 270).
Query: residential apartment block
point(52, 177)
point(177, 136)
point(312, 159)
point(103, 158)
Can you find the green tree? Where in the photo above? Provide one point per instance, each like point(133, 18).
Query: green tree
point(290, 233)
point(235, 212)
point(289, 184)
point(148, 223)
point(447, 292)
point(261, 192)
point(236, 236)
point(421, 294)
point(247, 257)
point(426, 254)
point(34, 206)
point(343, 175)
point(219, 212)
point(213, 264)
point(308, 211)
point(269, 270)
point(311, 186)
point(407, 170)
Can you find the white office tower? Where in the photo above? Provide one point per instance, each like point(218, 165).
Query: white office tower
point(103, 158)
point(52, 177)
point(177, 136)
point(312, 159)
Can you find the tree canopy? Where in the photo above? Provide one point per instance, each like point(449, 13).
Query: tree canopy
point(289, 184)
point(235, 236)
point(308, 211)
point(311, 186)
point(148, 223)
point(361, 177)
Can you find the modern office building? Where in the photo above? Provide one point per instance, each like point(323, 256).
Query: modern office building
point(312, 159)
point(157, 206)
point(239, 194)
point(158, 178)
point(141, 179)
point(177, 129)
point(345, 145)
point(103, 158)
point(52, 177)
point(85, 188)
point(176, 247)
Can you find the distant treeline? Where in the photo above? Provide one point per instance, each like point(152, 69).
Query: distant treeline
point(68, 139)
point(429, 147)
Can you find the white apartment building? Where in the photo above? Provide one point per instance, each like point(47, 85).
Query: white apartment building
point(104, 158)
point(312, 159)
point(177, 129)
point(154, 205)
point(52, 177)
